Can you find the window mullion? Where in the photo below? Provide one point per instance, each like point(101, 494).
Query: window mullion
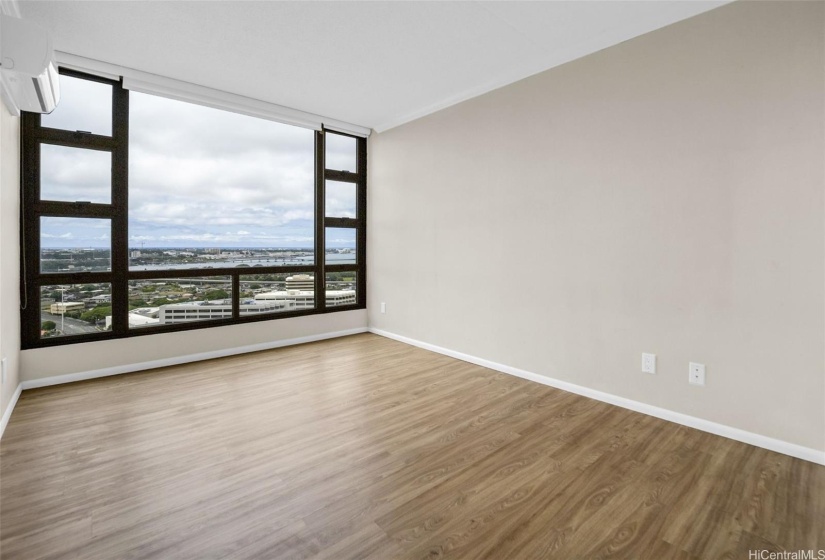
point(361, 232)
point(74, 139)
point(236, 295)
point(341, 176)
point(320, 286)
point(342, 222)
point(29, 231)
point(120, 208)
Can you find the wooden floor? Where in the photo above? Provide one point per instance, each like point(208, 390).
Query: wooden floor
point(363, 447)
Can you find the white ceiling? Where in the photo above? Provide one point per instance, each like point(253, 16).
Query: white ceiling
point(375, 64)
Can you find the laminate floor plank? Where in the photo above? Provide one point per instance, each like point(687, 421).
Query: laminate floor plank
point(366, 448)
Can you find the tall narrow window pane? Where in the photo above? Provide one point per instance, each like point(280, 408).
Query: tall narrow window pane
point(340, 199)
point(340, 246)
point(210, 188)
point(75, 174)
point(84, 105)
point(340, 152)
point(75, 244)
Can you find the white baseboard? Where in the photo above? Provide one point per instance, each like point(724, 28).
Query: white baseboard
point(798, 451)
point(177, 360)
point(9, 409)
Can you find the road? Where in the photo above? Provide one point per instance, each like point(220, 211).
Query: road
point(70, 326)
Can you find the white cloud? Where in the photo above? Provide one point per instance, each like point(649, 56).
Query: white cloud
point(199, 175)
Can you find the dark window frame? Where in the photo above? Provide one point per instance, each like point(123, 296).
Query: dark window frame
point(32, 208)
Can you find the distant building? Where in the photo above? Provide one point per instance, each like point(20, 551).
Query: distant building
point(300, 282)
point(61, 307)
point(136, 320)
point(305, 299)
point(147, 311)
point(340, 297)
point(300, 299)
point(135, 254)
point(145, 316)
point(216, 309)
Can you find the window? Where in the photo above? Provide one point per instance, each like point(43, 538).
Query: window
point(143, 214)
point(236, 191)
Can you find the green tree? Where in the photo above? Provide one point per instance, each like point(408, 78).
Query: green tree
point(98, 313)
point(216, 294)
point(48, 326)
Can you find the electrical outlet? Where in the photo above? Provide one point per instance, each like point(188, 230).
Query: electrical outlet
point(696, 374)
point(649, 363)
point(383, 307)
point(3, 371)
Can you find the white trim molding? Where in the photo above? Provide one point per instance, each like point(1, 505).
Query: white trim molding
point(177, 360)
point(784, 447)
point(10, 408)
point(193, 93)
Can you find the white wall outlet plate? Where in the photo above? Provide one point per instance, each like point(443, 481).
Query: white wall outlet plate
point(696, 374)
point(383, 307)
point(649, 363)
point(3, 371)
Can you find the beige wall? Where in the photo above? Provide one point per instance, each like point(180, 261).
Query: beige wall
point(664, 195)
point(9, 252)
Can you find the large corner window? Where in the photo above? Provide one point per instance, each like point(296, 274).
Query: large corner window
point(142, 214)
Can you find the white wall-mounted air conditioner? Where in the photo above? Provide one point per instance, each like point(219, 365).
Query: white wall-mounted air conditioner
point(28, 71)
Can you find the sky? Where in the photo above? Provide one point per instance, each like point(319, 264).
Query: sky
point(198, 177)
